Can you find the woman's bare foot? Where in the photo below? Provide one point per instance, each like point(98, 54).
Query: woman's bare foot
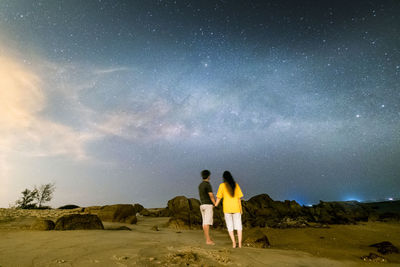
point(233, 245)
point(210, 242)
point(240, 245)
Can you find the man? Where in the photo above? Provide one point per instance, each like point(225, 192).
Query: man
point(207, 204)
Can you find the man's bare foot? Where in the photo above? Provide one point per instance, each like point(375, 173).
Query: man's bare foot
point(211, 243)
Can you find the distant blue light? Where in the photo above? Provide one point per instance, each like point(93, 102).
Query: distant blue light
point(353, 199)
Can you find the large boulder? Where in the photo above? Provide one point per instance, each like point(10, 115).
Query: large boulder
point(385, 247)
point(42, 225)
point(262, 210)
point(185, 209)
point(138, 208)
point(123, 213)
point(79, 222)
point(255, 238)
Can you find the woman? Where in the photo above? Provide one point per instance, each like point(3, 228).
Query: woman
point(231, 194)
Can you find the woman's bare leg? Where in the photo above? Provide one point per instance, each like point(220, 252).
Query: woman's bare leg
point(240, 237)
point(232, 235)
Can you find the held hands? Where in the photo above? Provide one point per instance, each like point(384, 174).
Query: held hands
point(217, 202)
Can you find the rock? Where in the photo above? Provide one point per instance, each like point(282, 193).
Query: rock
point(389, 216)
point(42, 225)
point(138, 208)
point(178, 224)
point(120, 228)
point(374, 258)
point(145, 212)
point(155, 228)
point(79, 222)
point(68, 207)
point(123, 213)
point(292, 223)
point(256, 238)
point(186, 210)
point(92, 209)
point(157, 212)
point(261, 211)
point(164, 212)
point(385, 247)
point(346, 212)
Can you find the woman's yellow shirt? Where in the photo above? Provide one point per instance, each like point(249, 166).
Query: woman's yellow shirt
point(232, 204)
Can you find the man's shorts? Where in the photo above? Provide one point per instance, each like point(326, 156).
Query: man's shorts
point(207, 213)
point(233, 221)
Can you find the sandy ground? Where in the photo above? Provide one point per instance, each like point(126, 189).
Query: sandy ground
point(341, 245)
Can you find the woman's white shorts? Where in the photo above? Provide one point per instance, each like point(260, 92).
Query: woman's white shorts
point(233, 221)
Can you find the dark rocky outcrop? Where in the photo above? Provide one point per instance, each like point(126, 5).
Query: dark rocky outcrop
point(255, 238)
point(346, 212)
point(68, 207)
point(138, 208)
point(123, 213)
point(385, 247)
point(158, 212)
point(263, 211)
point(79, 222)
point(185, 213)
point(384, 211)
point(185, 210)
point(42, 225)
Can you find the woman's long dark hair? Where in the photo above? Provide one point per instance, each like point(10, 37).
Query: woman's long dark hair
point(231, 184)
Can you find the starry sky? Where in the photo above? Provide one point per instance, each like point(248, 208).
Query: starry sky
point(127, 101)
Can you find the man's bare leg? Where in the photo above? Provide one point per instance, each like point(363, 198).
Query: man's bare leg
point(232, 235)
point(206, 229)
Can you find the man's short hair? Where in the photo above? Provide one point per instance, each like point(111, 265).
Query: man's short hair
point(205, 174)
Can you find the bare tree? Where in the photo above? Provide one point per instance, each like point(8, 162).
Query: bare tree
point(26, 200)
point(44, 193)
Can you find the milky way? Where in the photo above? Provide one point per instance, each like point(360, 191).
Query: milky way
point(127, 101)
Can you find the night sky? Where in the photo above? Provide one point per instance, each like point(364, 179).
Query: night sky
point(127, 101)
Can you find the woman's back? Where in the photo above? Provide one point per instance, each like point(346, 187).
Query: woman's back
point(231, 203)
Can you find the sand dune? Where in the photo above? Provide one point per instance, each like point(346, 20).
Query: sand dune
point(340, 245)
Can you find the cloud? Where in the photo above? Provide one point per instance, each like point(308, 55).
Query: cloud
point(22, 128)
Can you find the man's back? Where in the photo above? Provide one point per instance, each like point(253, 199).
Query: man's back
point(204, 189)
